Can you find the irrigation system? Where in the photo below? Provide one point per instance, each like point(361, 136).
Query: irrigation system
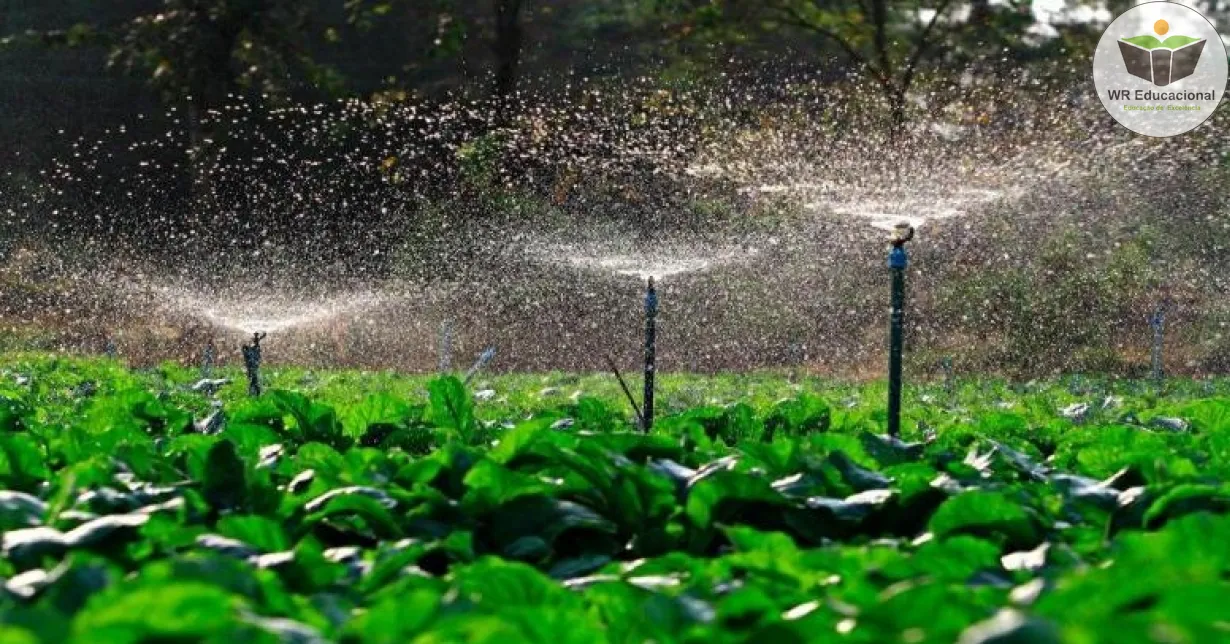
point(478, 365)
point(651, 350)
point(207, 361)
point(897, 262)
point(1158, 322)
point(446, 345)
point(252, 362)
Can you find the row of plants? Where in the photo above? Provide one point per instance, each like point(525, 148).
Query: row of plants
point(358, 507)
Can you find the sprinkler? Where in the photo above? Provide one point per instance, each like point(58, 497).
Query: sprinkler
point(110, 349)
point(949, 380)
point(207, 361)
point(897, 261)
point(479, 364)
point(252, 362)
point(446, 345)
point(651, 349)
point(1158, 322)
point(795, 357)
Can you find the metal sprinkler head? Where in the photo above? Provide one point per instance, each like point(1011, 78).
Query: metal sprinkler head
point(902, 233)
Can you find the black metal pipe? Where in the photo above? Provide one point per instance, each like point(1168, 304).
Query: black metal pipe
point(610, 362)
point(446, 346)
point(894, 353)
point(1158, 322)
point(252, 362)
point(207, 361)
point(950, 384)
point(651, 313)
point(482, 361)
point(897, 262)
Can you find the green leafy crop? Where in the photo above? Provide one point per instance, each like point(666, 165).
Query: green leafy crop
point(359, 507)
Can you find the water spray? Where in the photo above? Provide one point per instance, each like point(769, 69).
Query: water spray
point(897, 262)
point(252, 362)
point(479, 364)
point(651, 350)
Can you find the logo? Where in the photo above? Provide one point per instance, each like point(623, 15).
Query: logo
point(1161, 62)
point(1160, 45)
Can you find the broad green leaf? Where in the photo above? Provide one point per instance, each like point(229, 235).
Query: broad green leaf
point(177, 610)
point(260, 532)
point(451, 407)
point(989, 515)
point(22, 465)
point(397, 619)
point(804, 414)
point(378, 519)
point(224, 482)
point(1186, 499)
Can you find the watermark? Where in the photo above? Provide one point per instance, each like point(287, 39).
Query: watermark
point(1160, 69)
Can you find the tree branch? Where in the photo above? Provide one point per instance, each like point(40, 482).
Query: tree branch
point(791, 16)
point(922, 45)
point(80, 35)
point(879, 16)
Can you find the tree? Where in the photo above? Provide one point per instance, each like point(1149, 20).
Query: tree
point(501, 22)
point(892, 41)
point(890, 46)
point(507, 46)
point(200, 53)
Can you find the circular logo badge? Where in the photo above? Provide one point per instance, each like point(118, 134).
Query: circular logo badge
point(1160, 69)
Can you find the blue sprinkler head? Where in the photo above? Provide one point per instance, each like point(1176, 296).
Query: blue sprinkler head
point(651, 298)
point(902, 233)
point(897, 258)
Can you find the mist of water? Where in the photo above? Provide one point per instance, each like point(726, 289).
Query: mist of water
point(378, 221)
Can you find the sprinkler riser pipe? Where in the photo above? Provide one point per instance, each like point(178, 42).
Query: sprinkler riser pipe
point(252, 363)
point(479, 364)
point(446, 346)
point(207, 362)
point(897, 262)
point(949, 379)
point(651, 349)
point(1158, 322)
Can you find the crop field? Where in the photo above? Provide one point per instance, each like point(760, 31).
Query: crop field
point(154, 506)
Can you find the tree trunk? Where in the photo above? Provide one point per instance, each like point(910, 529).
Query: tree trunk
point(879, 21)
point(896, 109)
point(508, 41)
point(980, 14)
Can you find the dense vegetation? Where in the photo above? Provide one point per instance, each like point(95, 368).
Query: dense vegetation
point(362, 507)
point(80, 67)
